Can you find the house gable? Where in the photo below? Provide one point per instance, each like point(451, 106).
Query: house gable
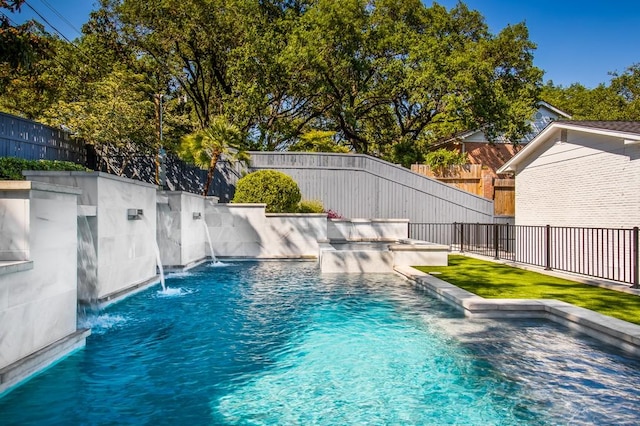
point(577, 175)
point(545, 114)
point(626, 132)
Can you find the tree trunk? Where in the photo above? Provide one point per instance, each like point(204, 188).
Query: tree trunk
point(212, 169)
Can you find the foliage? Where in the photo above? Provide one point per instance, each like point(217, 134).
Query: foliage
point(381, 77)
point(279, 191)
point(395, 72)
point(318, 141)
point(441, 159)
point(11, 167)
point(205, 147)
point(310, 206)
point(114, 114)
point(620, 100)
point(20, 45)
point(492, 280)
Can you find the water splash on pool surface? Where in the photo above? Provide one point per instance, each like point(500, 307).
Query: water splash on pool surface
point(100, 322)
point(219, 264)
point(173, 292)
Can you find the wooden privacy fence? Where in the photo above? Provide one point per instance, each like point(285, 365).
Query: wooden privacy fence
point(504, 197)
point(467, 177)
point(476, 180)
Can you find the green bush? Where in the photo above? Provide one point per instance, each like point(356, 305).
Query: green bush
point(310, 206)
point(280, 193)
point(11, 167)
point(441, 159)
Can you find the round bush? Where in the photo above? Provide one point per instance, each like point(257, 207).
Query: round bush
point(277, 190)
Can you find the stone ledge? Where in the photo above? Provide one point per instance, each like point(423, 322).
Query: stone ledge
point(27, 185)
point(93, 175)
point(619, 333)
point(11, 266)
point(372, 220)
point(25, 368)
point(418, 247)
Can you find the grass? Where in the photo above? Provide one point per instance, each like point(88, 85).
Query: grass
point(497, 281)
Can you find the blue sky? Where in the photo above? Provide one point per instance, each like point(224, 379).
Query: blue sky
point(578, 40)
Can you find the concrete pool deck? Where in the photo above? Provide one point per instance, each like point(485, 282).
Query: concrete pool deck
point(621, 334)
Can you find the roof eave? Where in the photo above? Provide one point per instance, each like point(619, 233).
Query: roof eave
point(511, 165)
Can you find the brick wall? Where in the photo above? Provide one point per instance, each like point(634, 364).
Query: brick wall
point(588, 181)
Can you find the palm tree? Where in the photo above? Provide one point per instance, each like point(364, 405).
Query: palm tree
point(205, 147)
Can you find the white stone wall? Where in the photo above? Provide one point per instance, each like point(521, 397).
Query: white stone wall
point(587, 181)
point(181, 237)
point(37, 305)
point(245, 230)
point(125, 248)
point(367, 229)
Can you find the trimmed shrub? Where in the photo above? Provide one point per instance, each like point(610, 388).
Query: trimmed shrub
point(11, 167)
point(278, 191)
point(310, 206)
point(441, 159)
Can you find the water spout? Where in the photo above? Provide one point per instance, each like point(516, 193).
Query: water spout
point(87, 262)
point(159, 262)
point(206, 231)
point(158, 259)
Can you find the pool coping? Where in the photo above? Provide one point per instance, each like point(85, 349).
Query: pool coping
point(25, 369)
point(621, 334)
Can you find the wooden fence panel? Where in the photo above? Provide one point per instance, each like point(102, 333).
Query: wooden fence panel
point(504, 198)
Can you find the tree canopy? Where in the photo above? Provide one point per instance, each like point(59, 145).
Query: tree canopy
point(619, 100)
point(382, 77)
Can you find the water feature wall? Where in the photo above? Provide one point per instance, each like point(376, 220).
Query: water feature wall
point(180, 230)
point(38, 285)
point(245, 230)
point(124, 230)
point(367, 229)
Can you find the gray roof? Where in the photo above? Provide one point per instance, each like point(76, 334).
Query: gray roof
point(616, 126)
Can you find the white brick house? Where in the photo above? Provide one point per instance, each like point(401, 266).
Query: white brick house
point(579, 173)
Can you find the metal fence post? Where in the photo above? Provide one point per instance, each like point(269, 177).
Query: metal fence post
point(636, 256)
point(495, 240)
point(547, 244)
point(461, 237)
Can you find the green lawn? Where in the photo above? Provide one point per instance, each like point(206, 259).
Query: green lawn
point(493, 280)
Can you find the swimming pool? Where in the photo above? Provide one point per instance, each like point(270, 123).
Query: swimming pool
point(279, 343)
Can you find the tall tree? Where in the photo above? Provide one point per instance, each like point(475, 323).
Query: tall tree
point(24, 49)
point(618, 100)
point(391, 76)
point(192, 40)
point(115, 115)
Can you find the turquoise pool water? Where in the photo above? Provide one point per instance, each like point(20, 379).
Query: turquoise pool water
point(279, 344)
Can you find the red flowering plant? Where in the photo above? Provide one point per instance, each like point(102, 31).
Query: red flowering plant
point(331, 214)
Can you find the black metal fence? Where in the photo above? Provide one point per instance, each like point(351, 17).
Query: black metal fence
point(27, 139)
point(30, 140)
point(606, 253)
